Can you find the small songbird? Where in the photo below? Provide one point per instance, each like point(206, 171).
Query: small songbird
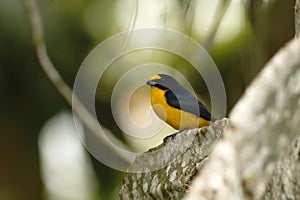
point(176, 105)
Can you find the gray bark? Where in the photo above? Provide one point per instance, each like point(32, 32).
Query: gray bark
point(264, 124)
point(180, 157)
point(285, 183)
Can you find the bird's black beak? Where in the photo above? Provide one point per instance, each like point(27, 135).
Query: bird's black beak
point(151, 83)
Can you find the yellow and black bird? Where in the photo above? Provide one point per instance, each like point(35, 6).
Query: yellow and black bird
point(176, 105)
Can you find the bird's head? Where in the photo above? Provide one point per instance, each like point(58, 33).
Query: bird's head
point(163, 81)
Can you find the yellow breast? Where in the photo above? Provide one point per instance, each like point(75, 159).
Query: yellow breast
point(176, 118)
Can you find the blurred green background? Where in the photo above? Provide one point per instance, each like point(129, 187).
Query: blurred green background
point(251, 33)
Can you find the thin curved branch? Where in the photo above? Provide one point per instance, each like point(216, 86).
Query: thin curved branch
point(132, 24)
point(48, 67)
point(189, 16)
point(218, 16)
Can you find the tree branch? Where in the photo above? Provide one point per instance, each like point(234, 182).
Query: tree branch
point(165, 172)
point(285, 183)
point(263, 124)
point(55, 78)
point(217, 19)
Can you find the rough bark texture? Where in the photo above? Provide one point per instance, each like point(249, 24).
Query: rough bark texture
point(285, 183)
point(263, 125)
point(266, 119)
point(221, 179)
point(180, 157)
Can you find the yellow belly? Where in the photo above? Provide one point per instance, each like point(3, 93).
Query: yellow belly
point(176, 118)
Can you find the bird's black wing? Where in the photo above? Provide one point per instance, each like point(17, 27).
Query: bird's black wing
point(187, 102)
